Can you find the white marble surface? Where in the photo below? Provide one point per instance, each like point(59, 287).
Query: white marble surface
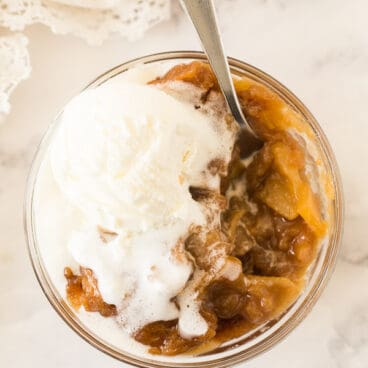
point(319, 49)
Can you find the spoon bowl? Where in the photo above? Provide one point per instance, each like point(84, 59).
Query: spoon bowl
point(203, 16)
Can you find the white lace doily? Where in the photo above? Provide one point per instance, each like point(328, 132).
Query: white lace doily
point(14, 67)
point(93, 20)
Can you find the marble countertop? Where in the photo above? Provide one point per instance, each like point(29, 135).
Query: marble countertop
point(319, 49)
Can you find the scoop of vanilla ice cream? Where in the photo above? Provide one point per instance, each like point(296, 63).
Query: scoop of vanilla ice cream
point(125, 154)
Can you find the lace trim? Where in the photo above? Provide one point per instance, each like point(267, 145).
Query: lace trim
point(129, 18)
point(14, 67)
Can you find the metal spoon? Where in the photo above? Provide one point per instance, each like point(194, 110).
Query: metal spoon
point(203, 16)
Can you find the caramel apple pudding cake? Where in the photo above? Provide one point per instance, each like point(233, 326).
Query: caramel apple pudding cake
point(155, 230)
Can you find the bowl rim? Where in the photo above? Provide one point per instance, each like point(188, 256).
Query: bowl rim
point(329, 260)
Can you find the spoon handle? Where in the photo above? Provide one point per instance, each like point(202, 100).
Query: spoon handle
point(203, 16)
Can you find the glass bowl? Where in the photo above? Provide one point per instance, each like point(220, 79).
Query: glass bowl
point(253, 343)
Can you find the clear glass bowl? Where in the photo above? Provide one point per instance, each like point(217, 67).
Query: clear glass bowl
point(253, 343)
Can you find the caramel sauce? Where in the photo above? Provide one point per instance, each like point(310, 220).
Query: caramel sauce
point(82, 290)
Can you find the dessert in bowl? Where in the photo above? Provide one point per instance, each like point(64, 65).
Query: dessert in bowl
point(156, 241)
